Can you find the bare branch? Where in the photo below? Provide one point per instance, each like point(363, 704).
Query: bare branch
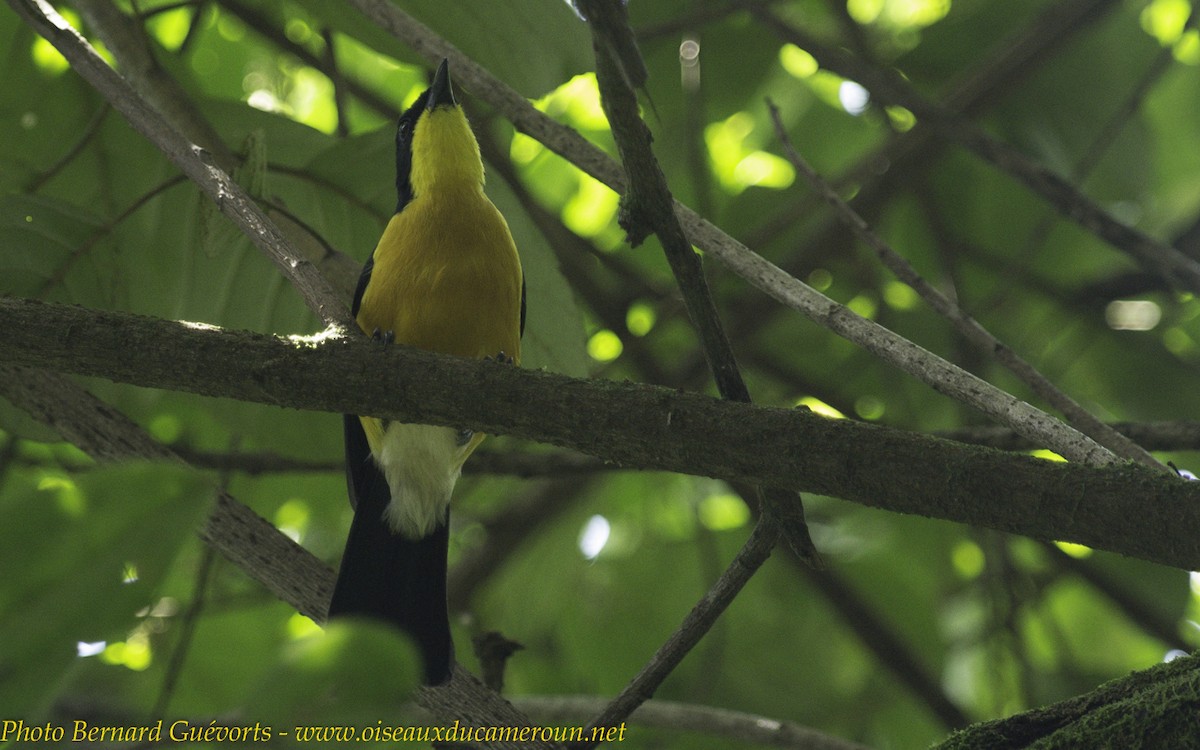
point(190, 159)
point(1124, 508)
point(889, 88)
point(260, 550)
point(1180, 435)
point(942, 376)
point(126, 40)
point(969, 328)
point(484, 461)
point(265, 554)
point(188, 621)
point(648, 208)
point(684, 717)
point(697, 623)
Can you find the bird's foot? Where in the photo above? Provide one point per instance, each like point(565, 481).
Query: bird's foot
point(383, 337)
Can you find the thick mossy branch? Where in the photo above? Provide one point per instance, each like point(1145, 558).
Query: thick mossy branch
point(1155, 708)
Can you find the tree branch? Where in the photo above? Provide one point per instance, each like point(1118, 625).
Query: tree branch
point(892, 651)
point(695, 625)
point(684, 717)
point(194, 162)
point(1124, 508)
point(126, 40)
point(933, 370)
point(484, 461)
point(967, 326)
point(1152, 708)
point(648, 207)
point(927, 367)
point(889, 88)
point(261, 551)
point(1178, 435)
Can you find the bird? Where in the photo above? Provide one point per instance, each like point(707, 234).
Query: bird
point(445, 276)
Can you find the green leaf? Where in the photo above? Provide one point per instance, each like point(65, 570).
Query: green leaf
point(502, 38)
point(355, 673)
point(83, 555)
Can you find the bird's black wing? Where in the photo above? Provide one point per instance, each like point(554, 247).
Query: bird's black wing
point(522, 304)
point(364, 278)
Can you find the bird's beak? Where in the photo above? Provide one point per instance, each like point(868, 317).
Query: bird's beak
point(441, 94)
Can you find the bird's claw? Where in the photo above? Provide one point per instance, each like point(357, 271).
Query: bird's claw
point(383, 337)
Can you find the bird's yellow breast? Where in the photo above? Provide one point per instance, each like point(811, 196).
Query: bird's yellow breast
point(452, 278)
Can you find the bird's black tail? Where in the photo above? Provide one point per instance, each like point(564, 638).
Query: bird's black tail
point(387, 577)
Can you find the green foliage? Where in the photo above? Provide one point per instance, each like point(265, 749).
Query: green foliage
point(85, 557)
point(91, 215)
point(354, 673)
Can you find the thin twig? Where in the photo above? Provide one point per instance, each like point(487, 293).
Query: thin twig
point(263, 26)
point(734, 726)
point(196, 163)
point(889, 88)
point(890, 649)
point(698, 622)
point(89, 132)
point(507, 531)
point(553, 464)
point(1024, 53)
point(334, 74)
point(126, 39)
point(648, 208)
point(578, 258)
point(910, 153)
point(1087, 163)
point(101, 232)
point(8, 452)
point(1125, 596)
point(189, 620)
point(1179, 435)
point(969, 328)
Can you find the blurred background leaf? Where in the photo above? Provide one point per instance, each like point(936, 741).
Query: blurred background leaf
point(85, 557)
